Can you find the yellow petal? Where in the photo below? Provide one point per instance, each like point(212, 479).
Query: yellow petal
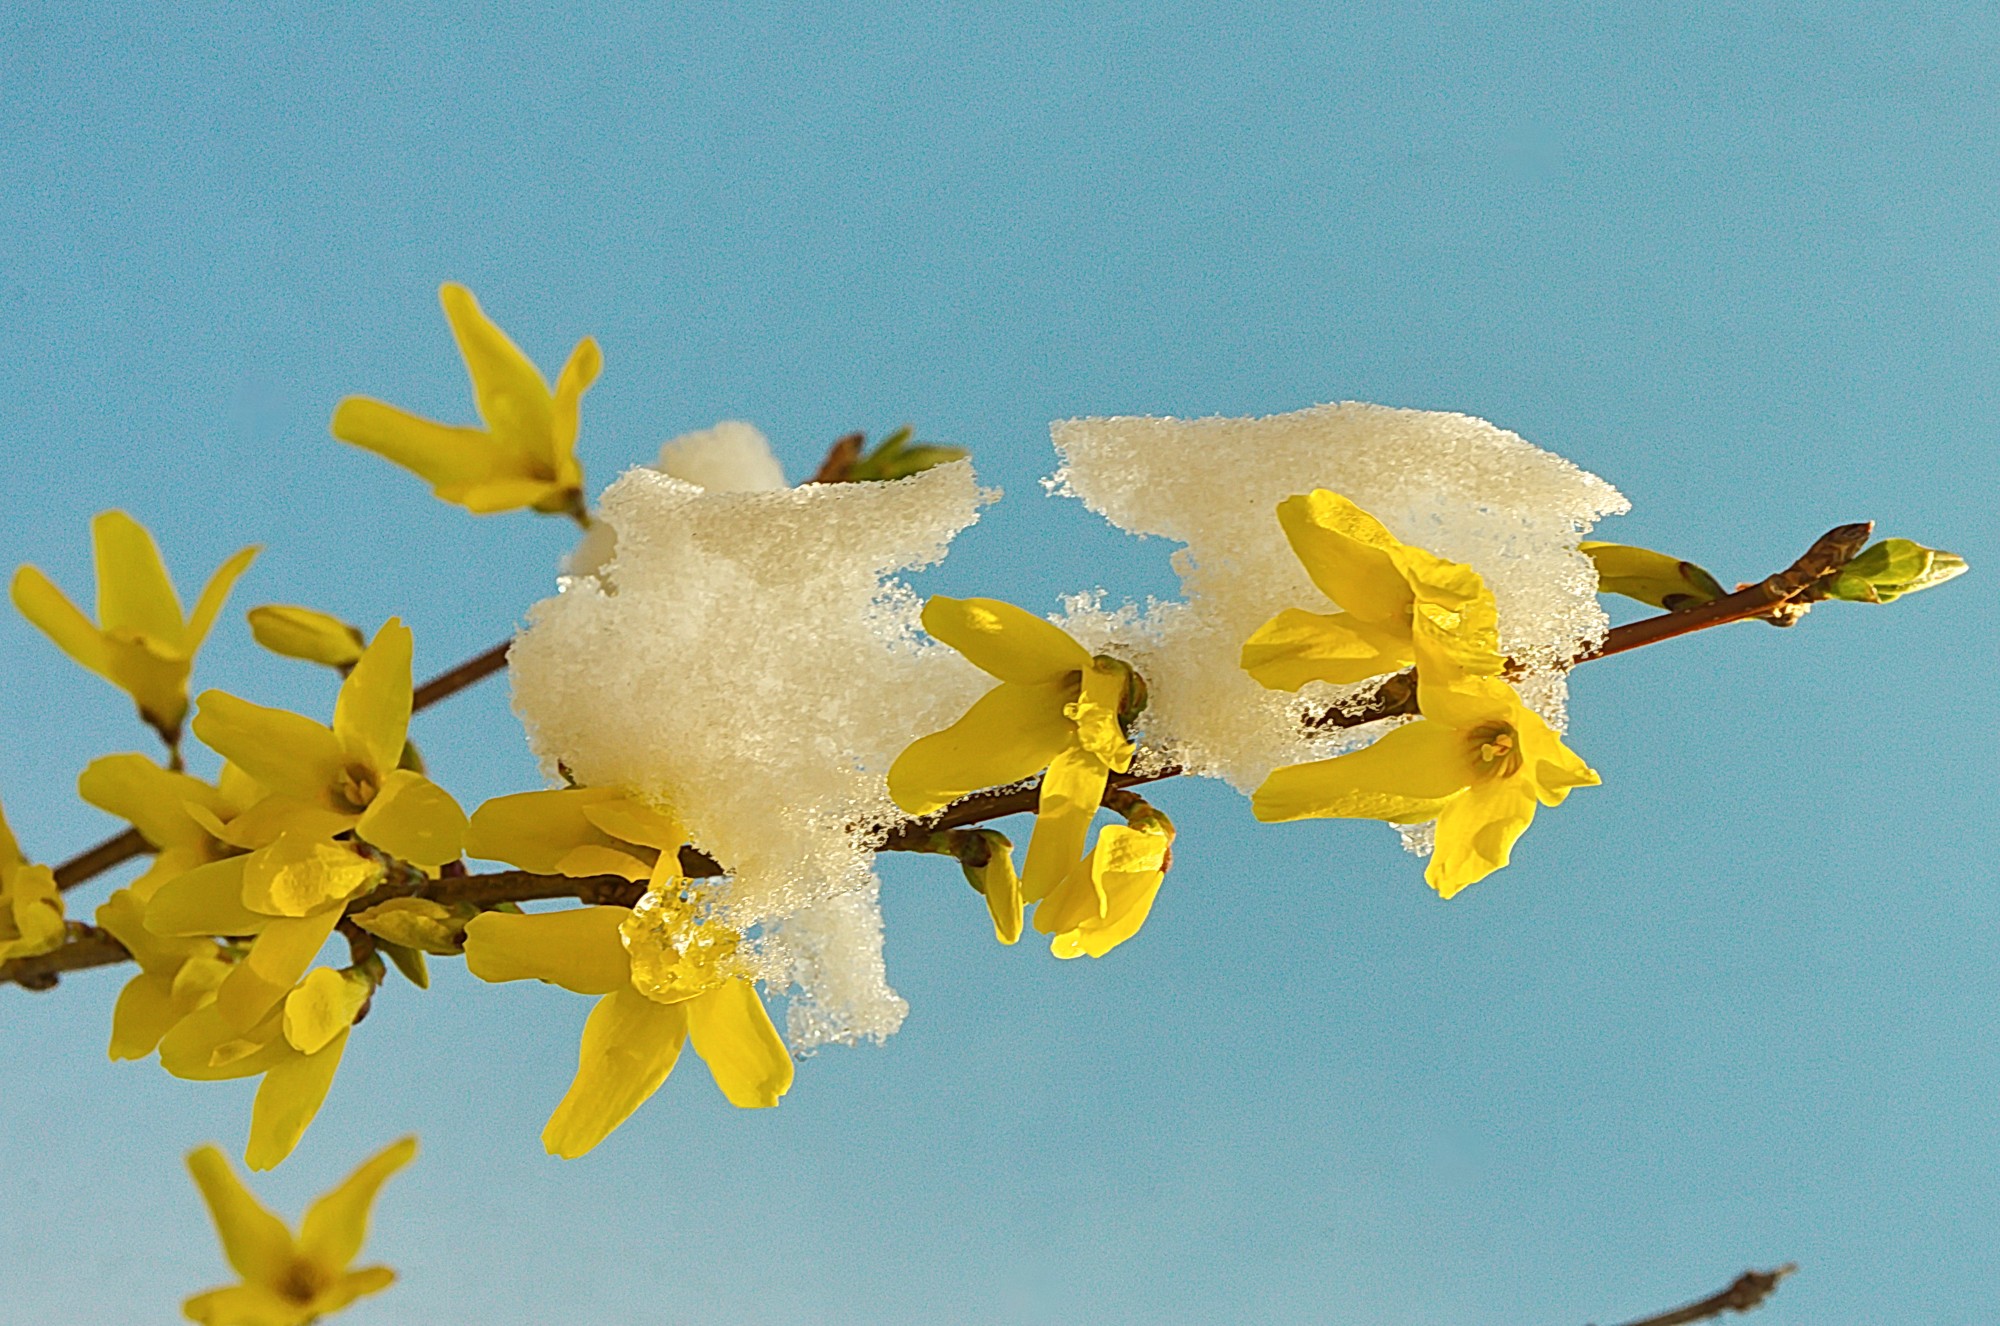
point(286, 752)
point(507, 388)
point(1551, 768)
point(583, 862)
point(1001, 887)
point(732, 1033)
point(1072, 790)
point(124, 915)
point(203, 1047)
point(1457, 641)
point(336, 1225)
point(303, 633)
point(586, 361)
point(205, 901)
point(49, 610)
point(353, 1285)
point(133, 589)
point(153, 800)
point(1095, 713)
point(1466, 702)
point(536, 830)
point(629, 1046)
point(417, 923)
point(257, 1244)
point(441, 454)
point(1347, 552)
point(1401, 779)
point(245, 1305)
point(146, 1010)
point(1296, 647)
point(322, 1006)
point(414, 820)
point(36, 913)
point(629, 821)
point(293, 1090)
point(490, 496)
point(371, 718)
point(1008, 734)
point(214, 594)
point(155, 678)
point(298, 875)
point(276, 961)
point(578, 948)
point(1076, 899)
point(263, 823)
point(1476, 833)
point(1008, 642)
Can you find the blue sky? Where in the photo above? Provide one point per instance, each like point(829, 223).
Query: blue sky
point(1734, 1008)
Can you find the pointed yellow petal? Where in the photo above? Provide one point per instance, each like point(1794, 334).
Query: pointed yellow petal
point(1072, 790)
point(298, 875)
point(337, 1224)
point(214, 594)
point(494, 495)
point(202, 1047)
point(243, 1305)
point(536, 830)
point(1008, 642)
point(1076, 899)
point(303, 633)
point(585, 363)
point(1001, 888)
point(353, 1285)
point(50, 611)
point(205, 901)
point(133, 589)
point(583, 862)
point(507, 388)
point(257, 1244)
point(371, 718)
point(1476, 833)
point(441, 454)
point(1296, 647)
point(153, 800)
point(1347, 552)
point(629, 1046)
point(286, 752)
point(414, 820)
point(578, 949)
point(1008, 734)
point(629, 821)
point(732, 1033)
point(276, 961)
point(293, 1090)
point(124, 915)
point(146, 1010)
point(322, 1006)
point(1401, 779)
point(1551, 767)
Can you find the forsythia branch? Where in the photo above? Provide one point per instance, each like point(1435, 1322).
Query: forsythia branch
point(1747, 1291)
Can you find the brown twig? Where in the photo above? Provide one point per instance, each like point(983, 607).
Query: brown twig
point(115, 850)
point(1747, 1291)
point(840, 458)
point(475, 669)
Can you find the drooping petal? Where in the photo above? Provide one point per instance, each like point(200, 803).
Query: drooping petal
point(207, 900)
point(256, 1242)
point(276, 961)
point(299, 875)
point(1008, 642)
point(1296, 647)
point(49, 609)
point(1007, 734)
point(1401, 778)
point(203, 1047)
point(322, 1006)
point(293, 1090)
point(629, 1046)
point(441, 454)
point(732, 1033)
point(1072, 790)
point(244, 1305)
point(507, 388)
point(286, 752)
point(146, 1010)
point(414, 820)
point(214, 594)
point(1348, 554)
point(134, 591)
point(1476, 833)
point(336, 1225)
point(536, 830)
point(371, 717)
point(578, 948)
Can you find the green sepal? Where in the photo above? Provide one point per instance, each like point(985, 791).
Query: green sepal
point(894, 457)
point(409, 961)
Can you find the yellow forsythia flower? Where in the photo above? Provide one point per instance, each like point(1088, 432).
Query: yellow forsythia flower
point(1107, 895)
point(140, 642)
point(290, 1281)
point(1478, 762)
point(295, 1047)
point(1056, 709)
point(525, 456)
point(1401, 604)
point(156, 802)
point(176, 976)
point(31, 908)
point(664, 972)
point(292, 888)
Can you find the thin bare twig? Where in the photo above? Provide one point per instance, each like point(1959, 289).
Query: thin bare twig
point(1747, 1291)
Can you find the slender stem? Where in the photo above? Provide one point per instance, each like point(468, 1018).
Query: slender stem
point(475, 669)
point(1747, 1291)
point(115, 850)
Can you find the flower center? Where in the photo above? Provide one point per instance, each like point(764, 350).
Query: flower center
point(1499, 750)
point(302, 1282)
point(358, 786)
